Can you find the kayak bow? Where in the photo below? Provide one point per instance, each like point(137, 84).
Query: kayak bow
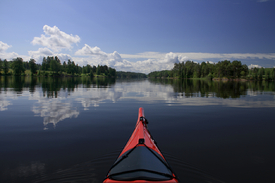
point(141, 160)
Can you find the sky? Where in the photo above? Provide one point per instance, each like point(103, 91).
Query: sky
point(139, 35)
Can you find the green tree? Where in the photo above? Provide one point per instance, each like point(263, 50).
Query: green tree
point(218, 70)
point(260, 73)
point(17, 66)
point(69, 67)
point(64, 67)
point(57, 64)
point(267, 74)
point(73, 68)
point(84, 70)
point(226, 68)
point(26, 65)
point(98, 70)
point(210, 68)
point(103, 69)
point(6, 67)
point(210, 76)
point(237, 68)
point(48, 62)
point(189, 65)
point(245, 69)
point(44, 64)
point(94, 69)
point(53, 66)
point(91, 74)
point(0, 65)
point(33, 66)
point(197, 71)
point(204, 69)
point(78, 69)
point(178, 70)
point(88, 68)
point(255, 75)
point(242, 73)
point(272, 74)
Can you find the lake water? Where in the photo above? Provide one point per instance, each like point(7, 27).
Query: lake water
point(73, 129)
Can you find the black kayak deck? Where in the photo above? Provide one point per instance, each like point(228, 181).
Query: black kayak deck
point(140, 163)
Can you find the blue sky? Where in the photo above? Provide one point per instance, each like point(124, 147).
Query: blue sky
point(139, 35)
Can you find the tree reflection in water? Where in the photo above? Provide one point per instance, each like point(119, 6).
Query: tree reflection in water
point(220, 89)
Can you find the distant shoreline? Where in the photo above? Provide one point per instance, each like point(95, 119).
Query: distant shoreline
point(213, 79)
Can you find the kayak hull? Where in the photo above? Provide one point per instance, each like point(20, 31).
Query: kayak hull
point(141, 160)
point(142, 181)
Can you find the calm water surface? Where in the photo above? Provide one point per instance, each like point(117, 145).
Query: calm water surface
point(73, 129)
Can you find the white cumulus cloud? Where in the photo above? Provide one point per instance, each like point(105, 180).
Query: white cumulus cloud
point(203, 56)
point(97, 56)
point(90, 51)
point(41, 51)
point(254, 66)
point(64, 57)
point(115, 60)
point(4, 46)
point(165, 62)
point(55, 39)
point(9, 56)
point(4, 54)
point(44, 52)
point(174, 58)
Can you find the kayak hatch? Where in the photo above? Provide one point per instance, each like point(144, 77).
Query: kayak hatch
point(141, 160)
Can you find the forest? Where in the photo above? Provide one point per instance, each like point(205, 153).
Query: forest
point(221, 70)
point(122, 74)
point(51, 66)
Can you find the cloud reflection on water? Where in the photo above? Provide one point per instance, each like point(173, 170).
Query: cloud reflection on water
point(144, 91)
point(68, 94)
point(95, 96)
point(4, 104)
point(54, 111)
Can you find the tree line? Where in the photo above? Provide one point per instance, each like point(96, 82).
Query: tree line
point(52, 66)
point(122, 74)
point(222, 69)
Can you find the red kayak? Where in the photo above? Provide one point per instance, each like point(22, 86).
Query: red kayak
point(141, 160)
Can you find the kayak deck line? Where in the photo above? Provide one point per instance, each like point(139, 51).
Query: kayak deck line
point(141, 160)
